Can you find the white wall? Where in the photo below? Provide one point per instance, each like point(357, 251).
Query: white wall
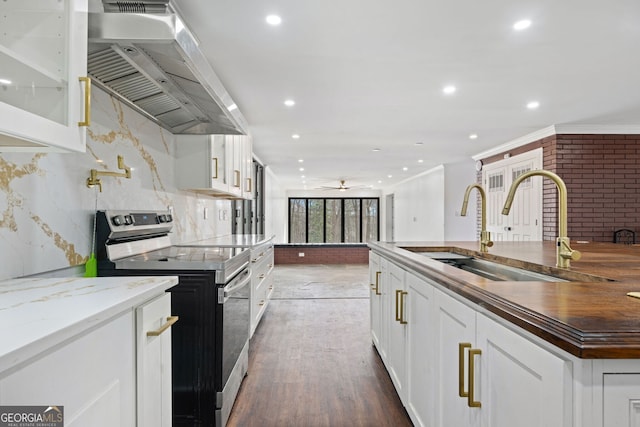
point(275, 207)
point(427, 206)
point(457, 177)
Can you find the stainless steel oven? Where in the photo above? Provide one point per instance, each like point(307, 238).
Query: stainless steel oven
point(210, 347)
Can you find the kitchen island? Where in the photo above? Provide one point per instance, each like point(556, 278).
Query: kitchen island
point(533, 352)
point(82, 343)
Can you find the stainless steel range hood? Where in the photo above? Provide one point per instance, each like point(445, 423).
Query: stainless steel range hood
point(153, 63)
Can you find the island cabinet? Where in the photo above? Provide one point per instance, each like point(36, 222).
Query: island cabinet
point(490, 376)
point(44, 88)
point(452, 365)
point(262, 263)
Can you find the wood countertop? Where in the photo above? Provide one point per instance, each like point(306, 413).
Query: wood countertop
point(589, 316)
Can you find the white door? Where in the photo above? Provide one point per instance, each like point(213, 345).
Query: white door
point(524, 222)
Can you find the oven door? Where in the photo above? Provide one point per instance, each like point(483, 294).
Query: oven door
point(234, 318)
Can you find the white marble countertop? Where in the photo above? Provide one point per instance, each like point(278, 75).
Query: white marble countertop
point(232, 241)
point(39, 313)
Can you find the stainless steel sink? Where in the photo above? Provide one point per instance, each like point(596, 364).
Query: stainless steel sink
point(489, 269)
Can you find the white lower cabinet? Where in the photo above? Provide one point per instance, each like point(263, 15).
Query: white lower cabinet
point(420, 354)
point(153, 343)
point(93, 377)
point(454, 366)
point(397, 315)
point(262, 263)
point(112, 375)
point(376, 300)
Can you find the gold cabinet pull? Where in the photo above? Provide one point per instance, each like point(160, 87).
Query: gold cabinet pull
point(401, 319)
point(398, 319)
point(472, 353)
point(261, 303)
point(170, 321)
point(261, 276)
point(461, 347)
point(248, 186)
point(378, 273)
point(236, 181)
point(215, 168)
point(87, 101)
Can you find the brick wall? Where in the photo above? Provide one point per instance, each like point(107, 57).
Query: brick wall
point(321, 254)
point(602, 175)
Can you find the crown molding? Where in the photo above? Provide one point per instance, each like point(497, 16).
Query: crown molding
point(564, 129)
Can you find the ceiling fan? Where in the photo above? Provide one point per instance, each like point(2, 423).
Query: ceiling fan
point(341, 187)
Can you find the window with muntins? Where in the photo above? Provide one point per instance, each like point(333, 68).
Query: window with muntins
point(333, 220)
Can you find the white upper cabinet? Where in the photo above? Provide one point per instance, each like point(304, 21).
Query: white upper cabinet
point(214, 165)
point(44, 92)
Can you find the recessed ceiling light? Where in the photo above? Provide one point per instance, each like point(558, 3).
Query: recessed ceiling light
point(389, 176)
point(405, 168)
point(420, 161)
point(232, 107)
point(376, 150)
point(273, 20)
point(473, 136)
point(533, 105)
point(449, 90)
point(289, 102)
point(379, 181)
point(522, 25)
point(300, 160)
point(295, 136)
point(5, 81)
point(301, 169)
point(419, 143)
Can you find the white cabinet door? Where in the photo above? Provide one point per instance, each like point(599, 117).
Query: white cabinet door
point(520, 383)
point(420, 355)
point(153, 336)
point(93, 377)
point(396, 312)
point(248, 176)
point(43, 52)
point(455, 326)
point(621, 392)
point(375, 301)
point(234, 149)
point(201, 163)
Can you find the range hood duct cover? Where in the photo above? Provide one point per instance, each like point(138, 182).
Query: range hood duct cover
point(153, 64)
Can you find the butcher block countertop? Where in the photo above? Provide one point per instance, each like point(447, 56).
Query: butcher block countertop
point(589, 316)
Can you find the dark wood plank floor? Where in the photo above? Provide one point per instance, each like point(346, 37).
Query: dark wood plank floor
point(311, 363)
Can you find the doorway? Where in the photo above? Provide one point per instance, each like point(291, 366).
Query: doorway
point(524, 222)
point(388, 221)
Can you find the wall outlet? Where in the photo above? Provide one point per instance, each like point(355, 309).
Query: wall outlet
point(300, 254)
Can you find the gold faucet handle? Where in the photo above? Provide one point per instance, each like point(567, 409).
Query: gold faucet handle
point(565, 250)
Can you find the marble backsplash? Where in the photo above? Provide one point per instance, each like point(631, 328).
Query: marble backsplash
point(46, 208)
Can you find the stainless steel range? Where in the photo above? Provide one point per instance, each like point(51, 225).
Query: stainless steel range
point(210, 343)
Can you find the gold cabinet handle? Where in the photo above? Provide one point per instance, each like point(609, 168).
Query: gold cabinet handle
point(461, 347)
point(378, 273)
point(87, 101)
point(398, 292)
point(261, 303)
point(170, 321)
point(401, 319)
point(472, 353)
point(248, 186)
point(261, 276)
point(215, 168)
point(236, 181)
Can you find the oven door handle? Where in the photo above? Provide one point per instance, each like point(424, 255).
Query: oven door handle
point(234, 285)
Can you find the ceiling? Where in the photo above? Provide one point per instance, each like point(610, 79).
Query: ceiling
point(370, 75)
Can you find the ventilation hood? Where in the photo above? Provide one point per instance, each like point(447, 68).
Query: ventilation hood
point(153, 63)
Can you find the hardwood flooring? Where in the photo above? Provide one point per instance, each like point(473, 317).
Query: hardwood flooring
point(312, 364)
